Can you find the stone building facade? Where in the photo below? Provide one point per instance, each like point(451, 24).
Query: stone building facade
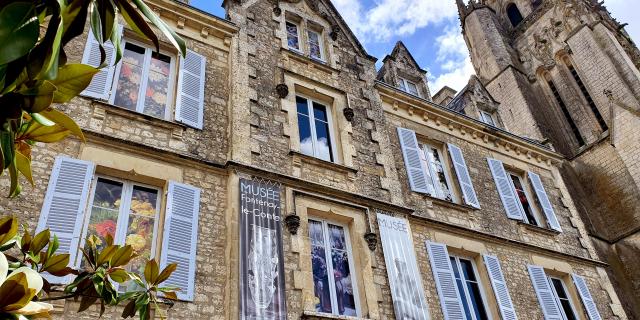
point(289, 179)
point(566, 73)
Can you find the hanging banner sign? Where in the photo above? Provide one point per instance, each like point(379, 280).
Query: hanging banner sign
point(407, 292)
point(262, 293)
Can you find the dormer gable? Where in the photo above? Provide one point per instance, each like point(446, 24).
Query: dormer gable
point(475, 101)
point(402, 71)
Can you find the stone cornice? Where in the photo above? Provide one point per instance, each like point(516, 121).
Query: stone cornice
point(472, 130)
point(185, 15)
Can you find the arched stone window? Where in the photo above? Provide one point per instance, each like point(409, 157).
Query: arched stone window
point(514, 14)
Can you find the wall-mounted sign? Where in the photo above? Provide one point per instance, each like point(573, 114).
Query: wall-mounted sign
point(261, 260)
point(404, 278)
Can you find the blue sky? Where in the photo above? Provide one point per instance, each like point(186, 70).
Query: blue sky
point(429, 28)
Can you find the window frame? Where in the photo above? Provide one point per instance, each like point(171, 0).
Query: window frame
point(123, 215)
point(312, 126)
point(481, 287)
point(484, 115)
point(298, 35)
point(444, 160)
point(173, 79)
point(540, 219)
point(320, 45)
point(404, 86)
point(354, 284)
point(557, 298)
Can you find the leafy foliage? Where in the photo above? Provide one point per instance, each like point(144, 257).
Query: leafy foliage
point(35, 76)
point(23, 289)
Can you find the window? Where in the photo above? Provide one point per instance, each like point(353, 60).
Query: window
point(515, 17)
point(438, 172)
point(144, 80)
point(523, 198)
point(314, 125)
point(315, 45)
point(293, 36)
point(332, 267)
point(129, 213)
point(561, 295)
point(469, 288)
point(566, 113)
point(409, 87)
point(487, 118)
point(587, 96)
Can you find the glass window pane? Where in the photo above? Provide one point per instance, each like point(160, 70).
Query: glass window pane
point(319, 112)
point(306, 141)
point(342, 274)
point(476, 301)
point(105, 208)
point(467, 270)
point(564, 299)
point(130, 77)
point(302, 106)
point(522, 196)
point(403, 87)
point(292, 36)
point(314, 44)
point(320, 268)
point(156, 94)
point(412, 88)
point(323, 145)
point(433, 155)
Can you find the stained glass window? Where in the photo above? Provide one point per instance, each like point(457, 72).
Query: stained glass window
point(330, 255)
point(293, 38)
point(314, 127)
point(143, 81)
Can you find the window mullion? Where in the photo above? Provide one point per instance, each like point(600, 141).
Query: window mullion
point(142, 93)
point(312, 125)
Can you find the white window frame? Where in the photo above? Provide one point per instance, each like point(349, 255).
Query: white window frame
point(438, 192)
point(320, 44)
point(483, 299)
point(173, 80)
point(557, 298)
point(286, 30)
point(404, 85)
point(123, 214)
point(487, 118)
point(332, 286)
point(540, 221)
point(312, 119)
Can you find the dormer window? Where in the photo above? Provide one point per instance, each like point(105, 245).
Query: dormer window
point(487, 118)
point(293, 36)
point(409, 87)
point(315, 45)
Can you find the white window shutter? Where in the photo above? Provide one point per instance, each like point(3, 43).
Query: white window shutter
point(445, 281)
point(419, 178)
point(500, 289)
point(190, 101)
point(508, 196)
point(585, 295)
point(64, 206)
point(547, 207)
point(544, 292)
point(100, 86)
point(180, 237)
point(468, 192)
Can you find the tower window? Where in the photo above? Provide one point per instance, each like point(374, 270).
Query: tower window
point(585, 93)
point(514, 14)
point(565, 111)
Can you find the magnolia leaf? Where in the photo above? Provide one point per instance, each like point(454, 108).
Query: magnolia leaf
point(56, 263)
point(87, 301)
point(44, 58)
point(23, 164)
point(129, 310)
point(48, 134)
point(40, 119)
point(8, 229)
point(40, 241)
point(15, 188)
point(64, 121)
point(7, 144)
point(53, 246)
point(119, 275)
point(74, 16)
point(15, 293)
point(122, 256)
point(166, 273)
point(151, 271)
point(105, 255)
point(25, 241)
point(39, 97)
point(171, 295)
point(72, 79)
point(137, 22)
point(168, 32)
point(18, 31)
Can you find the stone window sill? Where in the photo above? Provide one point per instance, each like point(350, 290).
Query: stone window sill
point(319, 64)
point(140, 117)
point(319, 315)
point(448, 204)
point(301, 157)
point(531, 227)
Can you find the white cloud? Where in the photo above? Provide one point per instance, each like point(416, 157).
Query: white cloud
point(388, 18)
point(454, 60)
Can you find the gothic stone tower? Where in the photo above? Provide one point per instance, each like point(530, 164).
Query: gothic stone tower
point(567, 72)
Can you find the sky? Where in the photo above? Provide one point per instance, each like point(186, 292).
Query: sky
point(429, 28)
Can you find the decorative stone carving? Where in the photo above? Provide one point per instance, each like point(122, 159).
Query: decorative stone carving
point(292, 222)
point(277, 11)
point(334, 32)
point(348, 113)
point(372, 240)
point(282, 90)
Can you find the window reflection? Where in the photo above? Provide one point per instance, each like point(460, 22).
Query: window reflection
point(524, 200)
point(315, 129)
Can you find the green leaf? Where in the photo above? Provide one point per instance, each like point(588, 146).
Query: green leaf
point(40, 241)
point(18, 31)
point(96, 29)
point(56, 263)
point(53, 246)
point(137, 22)
point(8, 229)
point(39, 118)
point(7, 143)
point(166, 273)
point(119, 275)
point(44, 58)
point(38, 97)
point(122, 256)
point(168, 32)
point(72, 79)
point(48, 134)
point(106, 254)
point(171, 295)
point(74, 16)
point(129, 310)
point(25, 241)
point(23, 164)
point(151, 271)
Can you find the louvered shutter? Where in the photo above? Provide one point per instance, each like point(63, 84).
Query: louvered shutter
point(500, 289)
point(508, 196)
point(419, 178)
point(100, 86)
point(64, 206)
point(585, 295)
point(545, 294)
point(543, 199)
point(445, 281)
point(468, 192)
point(190, 101)
point(180, 237)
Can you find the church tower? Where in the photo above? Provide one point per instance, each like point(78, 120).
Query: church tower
point(566, 72)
